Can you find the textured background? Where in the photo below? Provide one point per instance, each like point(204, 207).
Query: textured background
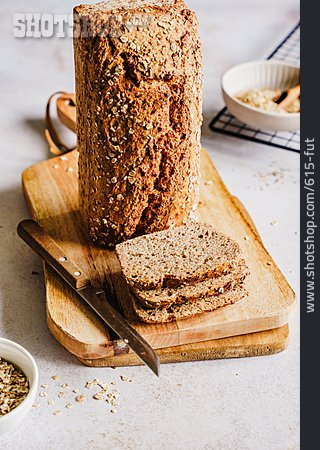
point(227, 404)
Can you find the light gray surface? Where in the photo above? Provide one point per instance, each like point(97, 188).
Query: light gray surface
point(227, 404)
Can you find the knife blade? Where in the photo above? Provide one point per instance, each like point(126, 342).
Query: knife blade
point(37, 238)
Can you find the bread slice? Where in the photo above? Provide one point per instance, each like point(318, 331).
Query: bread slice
point(187, 310)
point(156, 298)
point(171, 257)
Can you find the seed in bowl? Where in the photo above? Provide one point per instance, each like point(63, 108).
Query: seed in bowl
point(14, 387)
point(266, 99)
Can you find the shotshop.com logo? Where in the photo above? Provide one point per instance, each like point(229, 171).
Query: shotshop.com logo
point(36, 25)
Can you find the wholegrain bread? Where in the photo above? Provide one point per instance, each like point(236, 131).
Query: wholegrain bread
point(187, 310)
point(179, 255)
point(189, 292)
point(138, 95)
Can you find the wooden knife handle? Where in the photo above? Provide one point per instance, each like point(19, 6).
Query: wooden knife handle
point(37, 238)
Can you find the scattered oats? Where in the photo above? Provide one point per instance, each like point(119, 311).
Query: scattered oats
point(69, 169)
point(55, 377)
point(208, 183)
point(119, 197)
point(89, 384)
point(131, 131)
point(114, 160)
point(44, 386)
point(113, 383)
point(124, 378)
point(43, 394)
point(104, 221)
point(36, 405)
point(50, 402)
point(269, 263)
point(131, 180)
point(274, 222)
point(113, 411)
point(149, 126)
point(80, 398)
point(61, 394)
point(69, 405)
point(75, 390)
point(55, 166)
point(113, 180)
point(63, 158)
point(57, 412)
point(98, 396)
point(126, 341)
point(123, 39)
point(65, 385)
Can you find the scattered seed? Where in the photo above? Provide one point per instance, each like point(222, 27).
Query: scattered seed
point(113, 411)
point(44, 386)
point(63, 158)
point(75, 390)
point(208, 183)
point(246, 238)
point(61, 394)
point(55, 377)
point(36, 405)
point(55, 166)
point(65, 385)
point(124, 378)
point(69, 405)
point(57, 412)
point(50, 402)
point(98, 396)
point(43, 394)
point(80, 398)
point(70, 169)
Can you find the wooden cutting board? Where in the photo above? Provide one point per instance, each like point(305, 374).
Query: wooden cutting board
point(50, 188)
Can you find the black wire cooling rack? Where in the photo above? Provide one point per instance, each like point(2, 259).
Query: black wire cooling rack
point(288, 51)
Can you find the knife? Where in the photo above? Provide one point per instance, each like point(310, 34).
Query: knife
point(37, 238)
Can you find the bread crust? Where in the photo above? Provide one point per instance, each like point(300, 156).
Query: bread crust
point(138, 95)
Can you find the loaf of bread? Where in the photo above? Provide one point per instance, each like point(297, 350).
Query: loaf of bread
point(169, 258)
point(138, 96)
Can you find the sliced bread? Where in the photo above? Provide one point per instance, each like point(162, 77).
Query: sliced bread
point(156, 298)
point(187, 310)
point(171, 257)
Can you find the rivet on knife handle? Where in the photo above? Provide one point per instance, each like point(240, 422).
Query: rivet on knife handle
point(35, 236)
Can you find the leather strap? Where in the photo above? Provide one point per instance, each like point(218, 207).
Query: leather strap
point(56, 146)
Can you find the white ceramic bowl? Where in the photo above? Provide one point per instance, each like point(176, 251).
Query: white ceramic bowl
point(259, 75)
point(20, 357)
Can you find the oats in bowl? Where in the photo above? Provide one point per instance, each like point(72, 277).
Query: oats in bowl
point(267, 100)
point(14, 387)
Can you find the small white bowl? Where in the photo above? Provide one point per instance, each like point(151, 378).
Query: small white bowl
point(20, 357)
point(259, 75)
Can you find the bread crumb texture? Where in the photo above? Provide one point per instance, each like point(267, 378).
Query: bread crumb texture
point(138, 95)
